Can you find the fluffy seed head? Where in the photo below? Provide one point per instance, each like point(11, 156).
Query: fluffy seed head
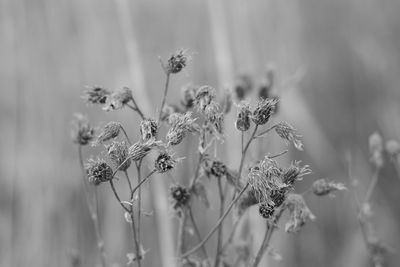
point(82, 133)
point(180, 196)
point(110, 131)
point(204, 96)
point(96, 95)
point(322, 187)
point(118, 153)
point(299, 213)
point(177, 62)
point(98, 171)
point(164, 162)
point(118, 99)
point(243, 117)
point(289, 134)
point(295, 172)
point(263, 111)
point(148, 129)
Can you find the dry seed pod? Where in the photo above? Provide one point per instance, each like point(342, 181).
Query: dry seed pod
point(98, 171)
point(263, 111)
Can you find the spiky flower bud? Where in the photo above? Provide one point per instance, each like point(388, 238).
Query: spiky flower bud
point(110, 131)
point(266, 210)
point(118, 99)
point(82, 133)
point(180, 195)
point(243, 86)
point(96, 95)
point(118, 153)
point(164, 162)
point(180, 125)
point(295, 172)
point(98, 171)
point(263, 111)
point(243, 117)
point(376, 149)
point(148, 129)
point(140, 149)
point(218, 168)
point(289, 134)
point(204, 96)
point(322, 187)
point(177, 62)
point(299, 213)
point(188, 96)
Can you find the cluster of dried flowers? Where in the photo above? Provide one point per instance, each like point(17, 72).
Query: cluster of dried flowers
point(200, 113)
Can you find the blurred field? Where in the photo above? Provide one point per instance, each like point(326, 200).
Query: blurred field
point(49, 50)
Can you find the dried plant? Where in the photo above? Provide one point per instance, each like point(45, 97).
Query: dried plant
point(200, 113)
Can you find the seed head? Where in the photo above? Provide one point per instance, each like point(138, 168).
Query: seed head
point(82, 133)
point(188, 96)
point(148, 129)
point(98, 171)
point(215, 168)
point(96, 95)
point(299, 213)
point(110, 131)
point(118, 99)
point(295, 172)
point(266, 210)
point(164, 162)
point(263, 111)
point(289, 134)
point(322, 187)
point(140, 149)
point(243, 118)
point(118, 153)
point(180, 196)
point(180, 125)
point(204, 96)
point(177, 62)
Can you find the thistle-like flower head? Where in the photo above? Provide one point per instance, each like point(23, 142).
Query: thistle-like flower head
point(204, 97)
point(82, 133)
point(266, 210)
point(98, 171)
point(148, 129)
point(263, 111)
point(180, 196)
point(299, 213)
point(118, 153)
point(110, 131)
point(118, 99)
point(289, 134)
point(96, 95)
point(295, 172)
point(140, 149)
point(164, 162)
point(181, 124)
point(322, 187)
point(177, 62)
point(243, 117)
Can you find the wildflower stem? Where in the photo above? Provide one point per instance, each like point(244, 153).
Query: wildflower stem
point(126, 135)
point(93, 209)
point(372, 185)
point(266, 131)
point(135, 240)
point(197, 231)
point(117, 196)
point(142, 182)
point(165, 96)
point(137, 109)
point(220, 228)
point(220, 220)
point(139, 178)
point(279, 154)
point(181, 232)
point(128, 180)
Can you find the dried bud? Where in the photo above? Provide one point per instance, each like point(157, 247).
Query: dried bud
point(322, 187)
point(118, 99)
point(263, 111)
point(180, 125)
point(289, 134)
point(82, 133)
point(376, 149)
point(188, 96)
point(98, 171)
point(218, 169)
point(139, 150)
point(212, 111)
point(243, 118)
point(118, 153)
point(177, 62)
point(393, 148)
point(164, 162)
point(148, 129)
point(180, 195)
point(110, 131)
point(243, 86)
point(266, 210)
point(299, 213)
point(204, 96)
point(96, 95)
point(295, 173)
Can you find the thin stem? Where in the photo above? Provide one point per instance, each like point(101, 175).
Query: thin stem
point(137, 109)
point(197, 172)
point(164, 97)
point(93, 210)
point(279, 154)
point(128, 180)
point(197, 231)
point(142, 182)
point(139, 178)
point(126, 136)
point(220, 228)
point(181, 232)
point(117, 196)
point(266, 131)
point(221, 219)
point(372, 185)
point(135, 240)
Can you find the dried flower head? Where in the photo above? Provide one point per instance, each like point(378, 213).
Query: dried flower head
point(118, 153)
point(263, 111)
point(140, 149)
point(164, 162)
point(299, 213)
point(188, 96)
point(289, 134)
point(216, 168)
point(278, 196)
point(118, 99)
point(322, 187)
point(180, 196)
point(110, 131)
point(295, 172)
point(243, 117)
point(266, 210)
point(204, 96)
point(98, 171)
point(181, 124)
point(82, 133)
point(243, 86)
point(393, 148)
point(96, 95)
point(177, 62)
point(148, 129)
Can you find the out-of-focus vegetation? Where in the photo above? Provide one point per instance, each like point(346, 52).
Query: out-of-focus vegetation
point(339, 69)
